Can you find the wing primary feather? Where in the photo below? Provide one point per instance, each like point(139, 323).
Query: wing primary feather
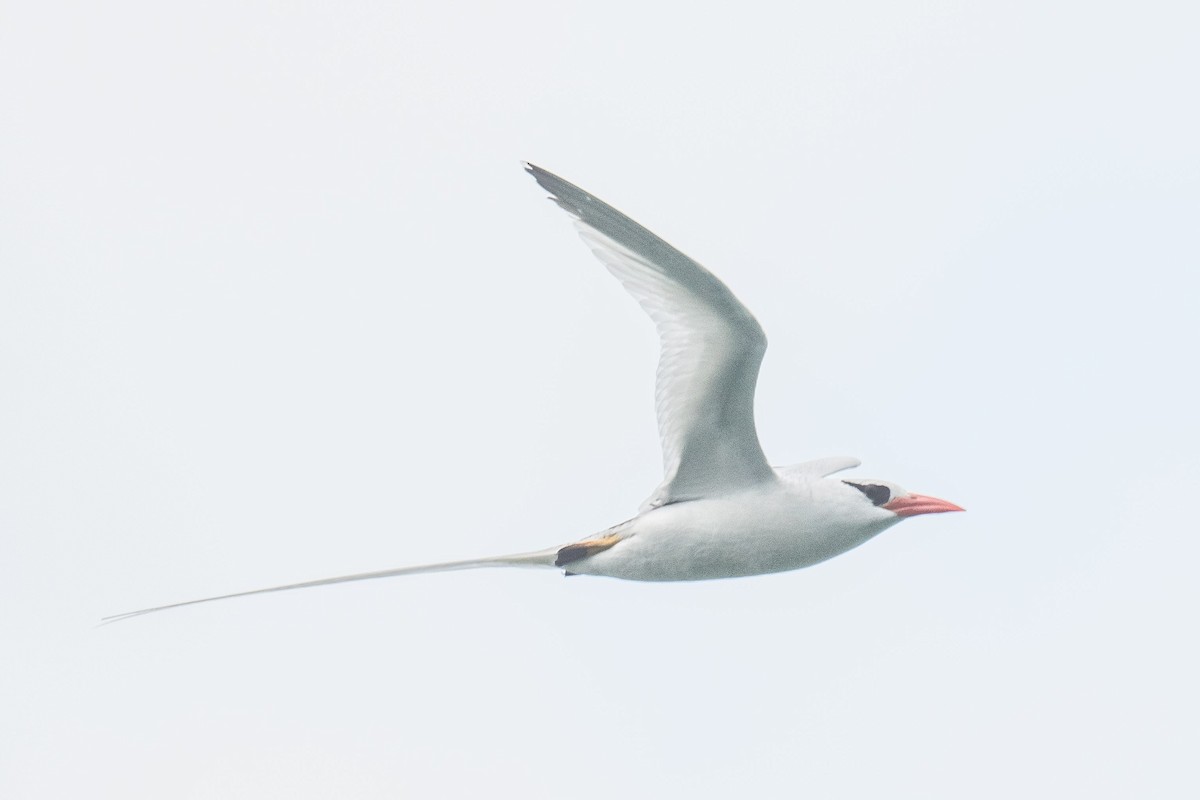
point(596, 214)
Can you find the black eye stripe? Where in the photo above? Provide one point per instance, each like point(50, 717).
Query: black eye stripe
point(875, 493)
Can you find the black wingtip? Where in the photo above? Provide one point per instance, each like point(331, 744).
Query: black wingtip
point(560, 190)
point(545, 179)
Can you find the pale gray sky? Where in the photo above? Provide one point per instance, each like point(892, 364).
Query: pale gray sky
point(277, 302)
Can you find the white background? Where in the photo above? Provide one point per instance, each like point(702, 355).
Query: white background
point(277, 302)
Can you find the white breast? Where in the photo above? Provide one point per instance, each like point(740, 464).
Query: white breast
point(771, 528)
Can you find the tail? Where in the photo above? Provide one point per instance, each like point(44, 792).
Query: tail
point(542, 558)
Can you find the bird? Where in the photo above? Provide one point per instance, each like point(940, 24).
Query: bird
point(721, 510)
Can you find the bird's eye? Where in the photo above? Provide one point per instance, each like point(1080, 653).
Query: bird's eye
point(875, 493)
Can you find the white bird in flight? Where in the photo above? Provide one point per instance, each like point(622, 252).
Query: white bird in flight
point(721, 510)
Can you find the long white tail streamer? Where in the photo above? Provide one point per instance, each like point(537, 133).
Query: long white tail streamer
point(541, 558)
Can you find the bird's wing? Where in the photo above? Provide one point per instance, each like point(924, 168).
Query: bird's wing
point(711, 350)
point(819, 468)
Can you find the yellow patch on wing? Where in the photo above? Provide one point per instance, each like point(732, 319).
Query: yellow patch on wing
point(588, 547)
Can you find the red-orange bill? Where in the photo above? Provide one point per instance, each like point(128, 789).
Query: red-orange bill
point(914, 504)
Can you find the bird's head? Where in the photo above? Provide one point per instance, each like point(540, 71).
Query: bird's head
point(898, 501)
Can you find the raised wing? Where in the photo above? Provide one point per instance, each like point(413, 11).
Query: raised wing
point(819, 468)
point(711, 351)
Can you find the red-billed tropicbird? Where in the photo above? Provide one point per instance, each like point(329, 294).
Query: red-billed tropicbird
point(721, 510)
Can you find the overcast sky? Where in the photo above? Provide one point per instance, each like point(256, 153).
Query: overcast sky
point(277, 302)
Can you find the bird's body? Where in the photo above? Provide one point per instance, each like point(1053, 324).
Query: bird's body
point(721, 510)
point(776, 526)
